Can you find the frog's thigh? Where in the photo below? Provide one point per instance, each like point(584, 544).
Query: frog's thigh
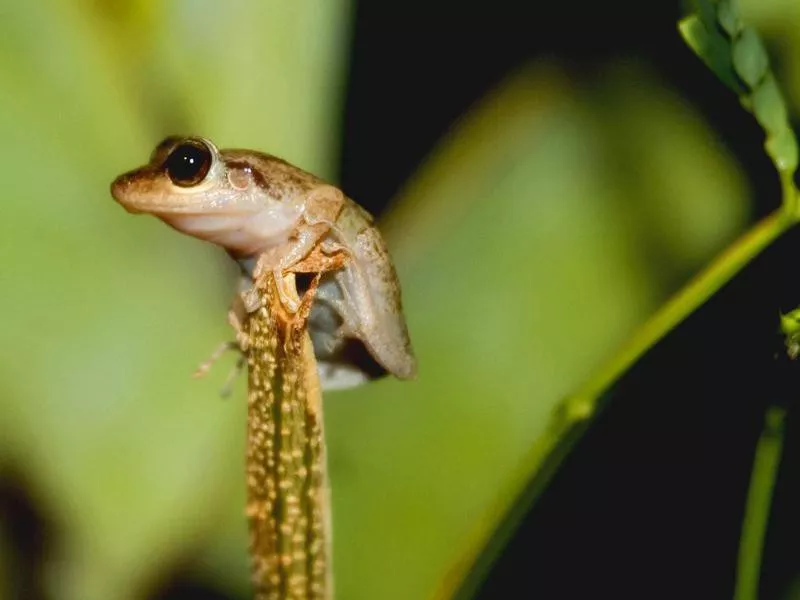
point(358, 310)
point(333, 293)
point(323, 205)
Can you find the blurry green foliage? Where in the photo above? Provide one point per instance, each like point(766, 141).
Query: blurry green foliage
point(527, 255)
point(104, 317)
point(551, 221)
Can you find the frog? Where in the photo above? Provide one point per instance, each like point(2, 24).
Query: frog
point(272, 217)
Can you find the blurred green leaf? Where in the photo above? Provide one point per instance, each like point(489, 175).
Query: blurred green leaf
point(660, 157)
point(570, 417)
point(106, 316)
point(499, 241)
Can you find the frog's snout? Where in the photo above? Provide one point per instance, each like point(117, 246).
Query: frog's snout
point(121, 189)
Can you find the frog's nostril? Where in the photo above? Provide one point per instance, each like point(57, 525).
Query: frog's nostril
point(121, 191)
point(119, 186)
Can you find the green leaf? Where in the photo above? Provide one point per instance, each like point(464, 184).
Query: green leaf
point(108, 315)
point(737, 55)
point(770, 111)
point(712, 47)
point(728, 17)
point(750, 57)
point(768, 107)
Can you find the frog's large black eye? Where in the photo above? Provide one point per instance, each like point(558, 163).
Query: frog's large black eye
point(188, 163)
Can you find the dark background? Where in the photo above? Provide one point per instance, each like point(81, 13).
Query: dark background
point(650, 502)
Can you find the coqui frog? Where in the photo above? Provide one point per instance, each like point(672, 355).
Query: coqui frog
point(270, 216)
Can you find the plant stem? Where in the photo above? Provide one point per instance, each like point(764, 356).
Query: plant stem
point(759, 501)
point(694, 294)
point(571, 416)
point(288, 504)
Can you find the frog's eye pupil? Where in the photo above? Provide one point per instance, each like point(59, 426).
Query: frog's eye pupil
point(188, 163)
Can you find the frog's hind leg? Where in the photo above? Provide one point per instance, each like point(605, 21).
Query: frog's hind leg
point(335, 294)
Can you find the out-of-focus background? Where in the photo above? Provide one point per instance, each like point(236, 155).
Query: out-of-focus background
point(546, 174)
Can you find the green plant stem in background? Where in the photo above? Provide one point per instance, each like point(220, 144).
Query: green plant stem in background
point(759, 501)
point(696, 292)
point(735, 53)
point(571, 417)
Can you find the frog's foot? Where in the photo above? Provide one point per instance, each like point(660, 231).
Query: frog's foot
point(331, 247)
point(284, 283)
point(329, 223)
point(235, 318)
point(251, 300)
point(320, 261)
point(287, 294)
point(241, 344)
point(206, 365)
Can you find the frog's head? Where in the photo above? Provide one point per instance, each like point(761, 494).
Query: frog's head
point(193, 187)
point(185, 175)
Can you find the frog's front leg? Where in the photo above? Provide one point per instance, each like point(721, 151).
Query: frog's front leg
point(236, 316)
point(241, 306)
point(321, 208)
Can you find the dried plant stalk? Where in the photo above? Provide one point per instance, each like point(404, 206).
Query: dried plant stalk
point(288, 503)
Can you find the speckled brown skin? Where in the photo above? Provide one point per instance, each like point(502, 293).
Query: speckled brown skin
point(372, 309)
point(271, 216)
point(276, 177)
